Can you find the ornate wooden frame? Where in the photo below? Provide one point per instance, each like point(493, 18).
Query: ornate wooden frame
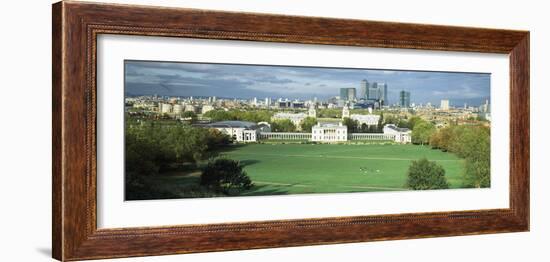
point(76, 26)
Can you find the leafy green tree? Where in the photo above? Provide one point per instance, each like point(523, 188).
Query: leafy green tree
point(284, 125)
point(424, 175)
point(191, 115)
point(329, 113)
point(380, 126)
point(307, 124)
point(403, 123)
point(372, 129)
point(471, 143)
point(241, 115)
point(391, 120)
point(226, 176)
point(412, 122)
point(477, 173)
point(422, 132)
point(353, 125)
point(363, 128)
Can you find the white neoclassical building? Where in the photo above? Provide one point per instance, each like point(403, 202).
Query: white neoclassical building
point(165, 108)
point(368, 120)
point(401, 135)
point(241, 131)
point(329, 132)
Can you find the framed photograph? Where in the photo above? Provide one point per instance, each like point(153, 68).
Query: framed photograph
point(183, 130)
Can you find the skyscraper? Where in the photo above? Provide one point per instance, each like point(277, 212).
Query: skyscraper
point(404, 99)
point(344, 94)
point(372, 92)
point(382, 93)
point(348, 94)
point(352, 94)
point(364, 89)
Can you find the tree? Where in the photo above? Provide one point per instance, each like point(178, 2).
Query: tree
point(424, 175)
point(372, 129)
point(412, 121)
point(422, 132)
point(403, 123)
point(226, 176)
point(191, 115)
point(391, 119)
point(471, 143)
point(308, 123)
point(364, 128)
point(380, 126)
point(241, 115)
point(352, 125)
point(283, 125)
point(477, 173)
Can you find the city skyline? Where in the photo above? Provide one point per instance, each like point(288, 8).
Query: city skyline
point(249, 81)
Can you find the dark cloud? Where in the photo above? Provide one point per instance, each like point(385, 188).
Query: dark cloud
point(246, 81)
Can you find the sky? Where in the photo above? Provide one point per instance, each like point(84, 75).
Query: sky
point(248, 81)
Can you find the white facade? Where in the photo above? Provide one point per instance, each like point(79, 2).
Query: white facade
point(369, 120)
point(177, 109)
point(241, 131)
point(345, 112)
point(402, 135)
point(206, 108)
point(165, 108)
point(190, 108)
point(327, 132)
point(239, 134)
point(312, 112)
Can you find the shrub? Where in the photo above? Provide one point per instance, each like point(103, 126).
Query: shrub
point(226, 176)
point(424, 174)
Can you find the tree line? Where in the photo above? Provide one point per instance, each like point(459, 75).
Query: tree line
point(470, 142)
point(240, 115)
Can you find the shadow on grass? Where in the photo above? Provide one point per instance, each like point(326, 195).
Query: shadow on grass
point(229, 148)
point(248, 162)
point(265, 190)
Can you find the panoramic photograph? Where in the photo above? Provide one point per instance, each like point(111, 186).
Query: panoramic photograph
point(196, 130)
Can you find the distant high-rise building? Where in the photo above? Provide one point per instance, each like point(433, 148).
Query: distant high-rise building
point(445, 104)
point(352, 95)
point(376, 92)
point(404, 99)
point(348, 94)
point(373, 93)
point(383, 93)
point(343, 94)
point(364, 88)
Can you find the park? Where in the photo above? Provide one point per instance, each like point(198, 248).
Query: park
point(297, 168)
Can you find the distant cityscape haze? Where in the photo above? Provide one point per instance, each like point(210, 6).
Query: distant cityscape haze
point(291, 82)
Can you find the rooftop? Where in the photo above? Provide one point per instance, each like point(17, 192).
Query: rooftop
point(399, 129)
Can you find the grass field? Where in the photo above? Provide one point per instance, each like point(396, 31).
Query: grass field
point(330, 168)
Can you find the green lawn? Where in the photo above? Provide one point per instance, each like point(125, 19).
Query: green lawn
point(327, 168)
point(330, 168)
